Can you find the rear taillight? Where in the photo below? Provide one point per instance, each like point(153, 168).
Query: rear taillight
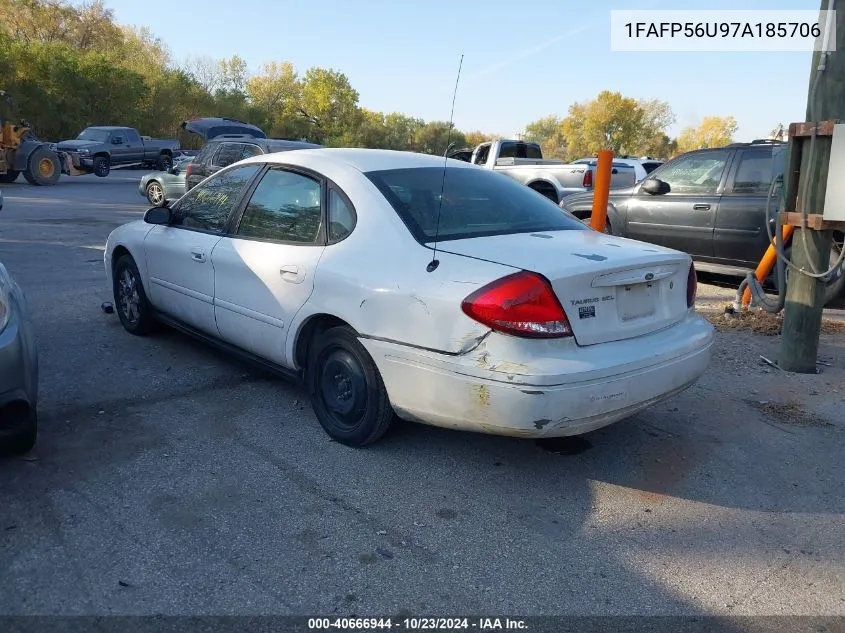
point(187, 171)
point(692, 286)
point(588, 178)
point(522, 304)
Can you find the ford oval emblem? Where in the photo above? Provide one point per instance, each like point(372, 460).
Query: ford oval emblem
point(649, 276)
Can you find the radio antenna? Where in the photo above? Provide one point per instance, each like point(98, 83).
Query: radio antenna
point(434, 263)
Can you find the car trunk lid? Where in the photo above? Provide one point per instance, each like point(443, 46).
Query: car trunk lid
point(610, 288)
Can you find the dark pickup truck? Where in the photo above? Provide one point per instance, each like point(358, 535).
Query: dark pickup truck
point(710, 203)
point(97, 149)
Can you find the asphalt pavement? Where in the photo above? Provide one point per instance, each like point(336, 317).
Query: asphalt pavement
point(170, 478)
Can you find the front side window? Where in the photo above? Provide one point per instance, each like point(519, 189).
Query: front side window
point(475, 203)
point(207, 206)
point(697, 174)
point(93, 134)
point(285, 207)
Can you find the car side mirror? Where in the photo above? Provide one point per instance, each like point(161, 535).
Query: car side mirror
point(158, 215)
point(655, 186)
point(173, 170)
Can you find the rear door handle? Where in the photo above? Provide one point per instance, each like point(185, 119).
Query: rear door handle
point(197, 255)
point(701, 207)
point(292, 273)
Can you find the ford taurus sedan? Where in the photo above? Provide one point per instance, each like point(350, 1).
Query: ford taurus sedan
point(398, 284)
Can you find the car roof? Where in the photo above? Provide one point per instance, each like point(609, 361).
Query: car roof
point(364, 160)
point(108, 128)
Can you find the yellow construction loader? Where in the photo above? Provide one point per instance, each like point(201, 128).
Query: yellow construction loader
point(21, 152)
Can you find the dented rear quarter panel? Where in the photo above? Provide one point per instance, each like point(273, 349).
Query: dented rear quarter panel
point(376, 280)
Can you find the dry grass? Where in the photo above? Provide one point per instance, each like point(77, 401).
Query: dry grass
point(761, 322)
point(789, 413)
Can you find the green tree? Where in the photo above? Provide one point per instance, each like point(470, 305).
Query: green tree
point(548, 132)
point(435, 137)
point(327, 102)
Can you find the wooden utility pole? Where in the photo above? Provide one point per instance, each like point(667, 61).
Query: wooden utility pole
point(799, 343)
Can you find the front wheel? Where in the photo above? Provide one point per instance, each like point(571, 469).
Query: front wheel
point(346, 389)
point(130, 300)
point(102, 166)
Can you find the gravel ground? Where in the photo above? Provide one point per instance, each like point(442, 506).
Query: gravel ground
point(172, 479)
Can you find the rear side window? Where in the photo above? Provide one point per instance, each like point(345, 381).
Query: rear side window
point(227, 154)
point(132, 137)
point(754, 173)
point(251, 150)
point(341, 217)
point(475, 203)
point(482, 154)
point(650, 167)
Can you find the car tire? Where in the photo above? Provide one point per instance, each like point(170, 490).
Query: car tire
point(10, 176)
point(22, 433)
point(155, 194)
point(346, 389)
point(102, 166)
point(130, 301)
point(165, 162)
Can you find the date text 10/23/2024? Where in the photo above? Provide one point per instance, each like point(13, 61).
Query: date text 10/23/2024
point(416, 624)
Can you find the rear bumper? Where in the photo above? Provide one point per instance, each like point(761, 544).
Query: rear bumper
point(574, 391)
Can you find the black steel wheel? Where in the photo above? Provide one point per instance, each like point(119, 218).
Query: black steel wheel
point(346, 389)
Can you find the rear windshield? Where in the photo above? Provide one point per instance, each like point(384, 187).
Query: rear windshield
point(520, 150)
point(217, 130)
point(476, 203)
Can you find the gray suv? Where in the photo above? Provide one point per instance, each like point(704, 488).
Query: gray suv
point(223, 150)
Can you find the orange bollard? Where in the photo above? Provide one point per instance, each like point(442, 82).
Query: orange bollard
point(601, 190)
point(764, 268)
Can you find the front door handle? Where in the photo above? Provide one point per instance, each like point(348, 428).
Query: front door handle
point(198, 256)
point(701, 207)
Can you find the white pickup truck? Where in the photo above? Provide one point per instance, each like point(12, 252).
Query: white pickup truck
point(555, 179)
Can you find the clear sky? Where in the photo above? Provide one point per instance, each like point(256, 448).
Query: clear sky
point(522, 59)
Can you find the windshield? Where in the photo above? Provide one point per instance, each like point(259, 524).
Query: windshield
point(93, 134)
point(476, 203)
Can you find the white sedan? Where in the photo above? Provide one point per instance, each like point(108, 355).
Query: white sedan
point(393, 284)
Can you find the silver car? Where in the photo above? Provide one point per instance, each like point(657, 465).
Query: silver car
point(161, 187)
point(18, 369)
